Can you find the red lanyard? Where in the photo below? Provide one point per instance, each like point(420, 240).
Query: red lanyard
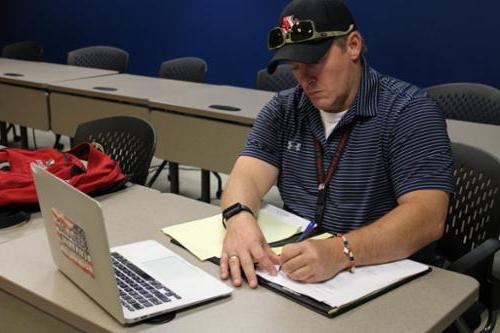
point(323, 180)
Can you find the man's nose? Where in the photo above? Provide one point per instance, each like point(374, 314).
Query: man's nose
point(305, 75)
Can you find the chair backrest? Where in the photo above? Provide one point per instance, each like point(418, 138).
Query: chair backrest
point(28, 50)
point(281, 79)
point(468, 101)
point(102, 57)
point(129, 140)
point(185, 69)
point(474, 211)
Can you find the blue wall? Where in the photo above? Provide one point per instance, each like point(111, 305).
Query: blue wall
point(425, 42)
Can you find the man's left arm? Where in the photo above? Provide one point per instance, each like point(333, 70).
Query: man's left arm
point(418, 220)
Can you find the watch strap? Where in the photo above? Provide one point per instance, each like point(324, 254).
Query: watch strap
point(234, 210)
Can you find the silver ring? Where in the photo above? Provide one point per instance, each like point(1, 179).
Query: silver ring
point(234, 256)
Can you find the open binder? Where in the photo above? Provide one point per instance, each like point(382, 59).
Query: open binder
point(330, 310)
point(203, 238)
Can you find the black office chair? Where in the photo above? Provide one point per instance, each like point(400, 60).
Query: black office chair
point(471, 237)
point(102, 57)
point(130, 141)
point(191, 69)
point(185, 69)
point(468, 101)
point(281, 79)
point(26, 50)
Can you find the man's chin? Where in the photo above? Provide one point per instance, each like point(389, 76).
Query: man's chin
point(320, 103)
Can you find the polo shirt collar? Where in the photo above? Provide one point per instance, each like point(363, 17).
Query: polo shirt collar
point(366, 100)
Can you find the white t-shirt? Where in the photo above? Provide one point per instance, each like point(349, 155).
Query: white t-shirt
point(330, 120)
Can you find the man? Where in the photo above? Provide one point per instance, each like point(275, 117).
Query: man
point(363, 155)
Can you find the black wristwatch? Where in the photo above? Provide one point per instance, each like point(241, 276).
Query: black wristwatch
point(233, 210)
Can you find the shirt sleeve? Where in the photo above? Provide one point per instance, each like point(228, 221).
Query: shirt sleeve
point(265, 138)
point(420, 155)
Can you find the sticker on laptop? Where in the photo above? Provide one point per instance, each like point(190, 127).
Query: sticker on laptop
point(73, 242)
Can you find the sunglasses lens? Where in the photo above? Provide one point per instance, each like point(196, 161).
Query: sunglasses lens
point(275, 38)
point(302, 31)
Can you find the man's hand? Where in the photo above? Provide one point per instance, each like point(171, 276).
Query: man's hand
point(244, 245)
point(313, 260)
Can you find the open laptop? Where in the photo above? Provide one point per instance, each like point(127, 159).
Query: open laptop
point(132, 282)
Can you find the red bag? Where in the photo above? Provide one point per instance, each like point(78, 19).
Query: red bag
point(101, 174)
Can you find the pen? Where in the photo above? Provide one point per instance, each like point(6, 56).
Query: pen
point(309, 229)
point(306, 233)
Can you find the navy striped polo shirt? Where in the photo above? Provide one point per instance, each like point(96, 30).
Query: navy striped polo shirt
point(398, 144)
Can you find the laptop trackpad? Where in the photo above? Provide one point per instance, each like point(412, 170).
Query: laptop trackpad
point(178, 274)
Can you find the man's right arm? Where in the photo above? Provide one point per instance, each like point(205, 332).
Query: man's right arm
point(244, 244)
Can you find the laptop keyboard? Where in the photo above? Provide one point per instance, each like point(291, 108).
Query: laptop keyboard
point(138, 290)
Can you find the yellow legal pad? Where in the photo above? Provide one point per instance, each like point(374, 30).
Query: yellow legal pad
point(204, 237)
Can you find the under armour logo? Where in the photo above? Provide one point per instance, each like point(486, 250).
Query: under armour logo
point(293, 146)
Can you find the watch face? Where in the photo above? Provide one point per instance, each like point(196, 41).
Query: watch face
point(235, 209)
point(231, 210)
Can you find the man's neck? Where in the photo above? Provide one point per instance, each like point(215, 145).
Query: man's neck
point(356, 82)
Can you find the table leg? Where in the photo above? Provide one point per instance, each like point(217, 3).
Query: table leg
point(24, 137)
point(173, 172)
point(205, 185)
point(3, 133)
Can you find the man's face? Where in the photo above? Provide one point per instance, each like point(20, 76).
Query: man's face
point(330, 82)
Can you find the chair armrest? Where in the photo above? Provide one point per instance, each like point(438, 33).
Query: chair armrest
point(476, 257)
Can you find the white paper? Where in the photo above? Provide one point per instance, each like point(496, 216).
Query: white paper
point(347, 287)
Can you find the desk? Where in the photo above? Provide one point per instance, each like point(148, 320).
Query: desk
point(34, 296)
point(23, 91)
point(206, 137)
point(192, 132)
point(75, 102)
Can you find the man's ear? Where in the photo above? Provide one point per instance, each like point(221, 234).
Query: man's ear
point(354, 45)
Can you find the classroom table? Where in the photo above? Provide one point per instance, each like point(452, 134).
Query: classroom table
point(36, 297)
point(23, 92)
point(213, 138)
point(209, 127)
point(75, 102)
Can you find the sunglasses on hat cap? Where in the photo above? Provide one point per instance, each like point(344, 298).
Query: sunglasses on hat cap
point(300, 31)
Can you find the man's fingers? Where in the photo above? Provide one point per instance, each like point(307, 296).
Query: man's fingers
point(224, 269)
point(234, 268)
point(275, 259)
point(303, 274)
point(292, 264)
point(246, 262)
point(291, 251)
point(263, 259)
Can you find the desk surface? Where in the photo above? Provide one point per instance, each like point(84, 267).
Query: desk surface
point(41, 74)
point(199, 103)
point(126, 87)
point(426, 304)
point(483, 136)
